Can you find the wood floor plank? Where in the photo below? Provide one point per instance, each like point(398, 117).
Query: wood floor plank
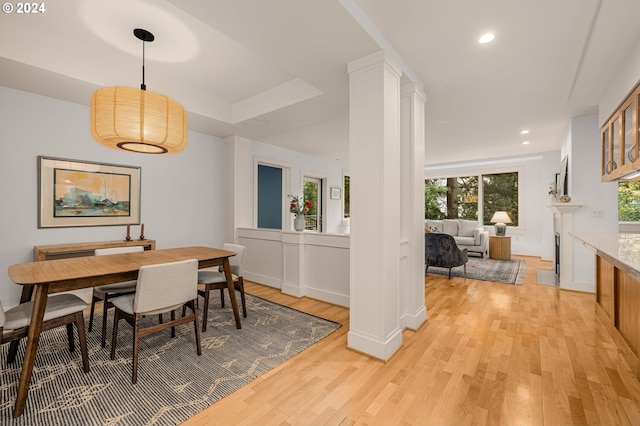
point(489, 354)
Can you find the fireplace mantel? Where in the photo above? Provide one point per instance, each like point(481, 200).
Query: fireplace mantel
point(563, 208)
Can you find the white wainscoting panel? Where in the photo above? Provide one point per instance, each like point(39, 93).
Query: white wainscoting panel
point(264, 257)
point(308, 264)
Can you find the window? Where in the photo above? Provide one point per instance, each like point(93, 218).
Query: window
point(313, 192)
point(500, 193)
point(629, 201)
point(345, 196)
point(472, 197)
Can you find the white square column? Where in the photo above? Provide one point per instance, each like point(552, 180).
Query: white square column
point(412, 263)
point(374, 163)
point(239, 186)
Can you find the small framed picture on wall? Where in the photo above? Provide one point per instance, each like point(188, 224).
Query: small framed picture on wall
point(336, 193)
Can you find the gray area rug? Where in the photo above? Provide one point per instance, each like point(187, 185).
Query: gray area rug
point(174, 383)
point(502, 271)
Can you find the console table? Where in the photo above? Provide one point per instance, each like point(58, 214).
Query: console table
point(62, 251)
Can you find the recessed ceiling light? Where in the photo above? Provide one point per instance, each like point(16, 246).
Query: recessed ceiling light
point(524, 132)
point(486, 38)
point(525, 143)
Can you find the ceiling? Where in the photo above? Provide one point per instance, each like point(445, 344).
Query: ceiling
point(276, 71)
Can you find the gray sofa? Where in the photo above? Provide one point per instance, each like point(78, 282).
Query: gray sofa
point(468, 234)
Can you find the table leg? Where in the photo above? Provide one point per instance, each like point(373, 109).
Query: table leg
point(232, 291)
point(39, 306)
point(27, 292)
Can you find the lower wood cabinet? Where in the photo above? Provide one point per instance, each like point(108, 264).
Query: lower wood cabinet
point(605, 292)
point(627, 304)
point(618, 307)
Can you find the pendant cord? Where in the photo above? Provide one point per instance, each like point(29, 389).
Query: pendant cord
point(143, 86)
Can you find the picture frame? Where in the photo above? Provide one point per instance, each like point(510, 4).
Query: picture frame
point(563, 181)
point(336, 193)
point(73, 193)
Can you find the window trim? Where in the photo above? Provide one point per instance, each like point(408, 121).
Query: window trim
point(479, 172)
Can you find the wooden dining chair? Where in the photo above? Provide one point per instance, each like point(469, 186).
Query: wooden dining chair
point(160, 288)
point(107, 292)
point(62, 309)
point(214, 279)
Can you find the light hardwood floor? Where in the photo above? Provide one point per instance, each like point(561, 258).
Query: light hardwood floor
point(489, 353)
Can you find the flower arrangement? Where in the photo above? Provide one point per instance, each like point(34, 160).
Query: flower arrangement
point(299, 206)
point(553, 190)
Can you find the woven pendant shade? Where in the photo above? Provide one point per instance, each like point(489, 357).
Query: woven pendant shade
point(137, 120)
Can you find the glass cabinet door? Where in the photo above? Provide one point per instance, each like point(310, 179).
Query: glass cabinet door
point(615, 149)
point(628, 142)
point(606, 166)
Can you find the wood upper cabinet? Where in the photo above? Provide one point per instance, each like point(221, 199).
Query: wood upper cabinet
point(619, 138)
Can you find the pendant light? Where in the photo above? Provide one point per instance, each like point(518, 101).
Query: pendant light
point(137, 120)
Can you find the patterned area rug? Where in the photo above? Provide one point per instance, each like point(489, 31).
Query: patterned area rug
point(501, 271)
point(174, 383)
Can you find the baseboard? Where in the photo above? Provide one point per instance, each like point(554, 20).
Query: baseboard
point(414, 321)
point(263, 279)
point(382, 350)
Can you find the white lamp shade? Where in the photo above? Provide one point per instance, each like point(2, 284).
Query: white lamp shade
point(500, 217)
point(138, 120)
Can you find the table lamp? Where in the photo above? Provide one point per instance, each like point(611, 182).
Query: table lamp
point(500, 218)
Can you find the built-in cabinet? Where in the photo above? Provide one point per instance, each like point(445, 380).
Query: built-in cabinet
point(62, 251)
point(618, 307)
point(619, 139)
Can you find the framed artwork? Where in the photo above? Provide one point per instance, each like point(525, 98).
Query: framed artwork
point(83, 193)
point(335, 193)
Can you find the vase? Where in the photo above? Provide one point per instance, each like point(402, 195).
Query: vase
point(299, 223)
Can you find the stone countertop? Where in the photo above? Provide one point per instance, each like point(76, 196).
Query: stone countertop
point(621, 249)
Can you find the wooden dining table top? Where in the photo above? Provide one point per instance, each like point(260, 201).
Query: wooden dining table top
point(81, 272)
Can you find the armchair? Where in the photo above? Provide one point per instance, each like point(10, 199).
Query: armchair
point(442, 251)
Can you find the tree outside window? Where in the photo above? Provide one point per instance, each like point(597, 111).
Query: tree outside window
point(629, 201)
point(463, 198)
point(500, 193)
point(451, 198)
point(346, 191)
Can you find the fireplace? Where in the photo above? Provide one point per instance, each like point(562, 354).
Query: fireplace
point(563, 226)
point(556, 262)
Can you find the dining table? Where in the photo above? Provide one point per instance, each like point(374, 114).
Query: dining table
point(38, 279)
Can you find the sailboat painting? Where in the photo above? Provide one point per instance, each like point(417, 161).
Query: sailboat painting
point(82, 193)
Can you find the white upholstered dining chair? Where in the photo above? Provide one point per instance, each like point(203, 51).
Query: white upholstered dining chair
point(214, 279)
point(160, 288)
point(105, 293)
point(62, 309)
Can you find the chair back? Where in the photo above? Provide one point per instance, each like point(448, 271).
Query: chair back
point(118, 250)
point(441, 250)
point(165, 285)
point(237, 261)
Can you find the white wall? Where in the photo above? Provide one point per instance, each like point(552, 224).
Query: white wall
point(586, 188)
point(182, 200)
point(535, 237)
point(620, 86)
point(303, 165)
